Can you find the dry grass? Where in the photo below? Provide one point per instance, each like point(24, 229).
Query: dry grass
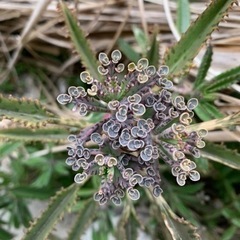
point(38, 27)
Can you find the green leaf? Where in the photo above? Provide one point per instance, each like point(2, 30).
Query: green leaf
point(23, 110)
point(207, 111)
point(121, 230)
point(80, 42)
point(202, 113)
point(203, 164)
point(61, 168)
point(105, 226)
point(22, 105)
point(153, 53)
point(183, 15)
point(205, 64)
point(42, 226)
point(31, 192)
point(44, 178)
point(212, 110)
point(223, 80)
point(141, 39)
point(7, 148)
point(86, 192)
point(84, 219)
point(177, 227)
point(221, 154)
point(47, 134)
point(188, 46)
point(132, 228)
point(5, 234)
point(229, 233)
point(20, 213)
point(128, 51)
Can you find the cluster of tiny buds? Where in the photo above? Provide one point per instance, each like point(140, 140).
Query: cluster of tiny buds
point(142, 126)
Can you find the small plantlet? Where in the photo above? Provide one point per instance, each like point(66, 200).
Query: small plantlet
point(145, 123)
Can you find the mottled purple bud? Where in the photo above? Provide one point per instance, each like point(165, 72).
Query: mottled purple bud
point(194, 175)
point(120, 67)
point(134, 194)
point(97, 196)
point(116, 200)
point(158, 106)
point(138, 109)
point(151, 70)
point(176, 170)
point(80, 177)
point(116, 56)
point(83, 109)
point(70, 161)
point(86, 78)
point(136, 98)
point(128, 172)
point(187, 165)
point(64, 99)
point(157, 191)
point(192, 103)
point(103, 59)
point(163, 70)
point(113, 105)
point(181, 179)
point(103, 71)
point(150, 100)
point(142, 64)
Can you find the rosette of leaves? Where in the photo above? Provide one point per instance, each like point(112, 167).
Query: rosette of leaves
point(142, 126)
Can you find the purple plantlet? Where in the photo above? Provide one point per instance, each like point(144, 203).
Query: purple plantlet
point(143, 126)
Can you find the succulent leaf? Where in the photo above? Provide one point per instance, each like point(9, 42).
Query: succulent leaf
point(42, 226)
point(80, 42)
point(188, 46)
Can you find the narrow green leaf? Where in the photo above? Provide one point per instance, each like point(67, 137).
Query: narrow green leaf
point(132, 228)
point(203, 165)
point(22, 105)
point(128, 51)
point(20, 213)
point(183, 15)
point(84, 219)
point(23, 110)
point(121, 230)
point(31, 192)
point(5, 235)
point(105, 226)
point(229, 233)
point(178, 227)
point(221, 154)
point(42, 226)
point(7, 148)
point(223, 80)
point(44, 178)
point(202, 113)
point(49, 134)
point(207, 111)
point(188, 46)
point(212, 110)
point(86, 192)
point(153, 53)
point(80, 42)
point(141, 39)
point(205, 64)
point(61, 168)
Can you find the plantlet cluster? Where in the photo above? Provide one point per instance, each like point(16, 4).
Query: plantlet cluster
point(144, 122)
point(133, 129)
